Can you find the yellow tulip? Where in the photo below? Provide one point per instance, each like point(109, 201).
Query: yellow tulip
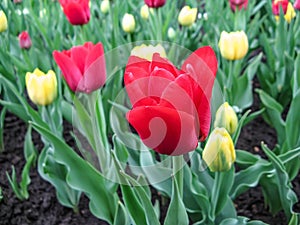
point(171, 33)
point(227, 118)
point(187, 16)
point(104, 7)
point(290, 13)
point(146, 52)
point(219, 152)
point(128, 23)
point(233, 45)
point(41, 87)
point(3, 21)
point(144, 12)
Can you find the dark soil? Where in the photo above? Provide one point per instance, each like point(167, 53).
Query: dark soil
point(42, 206)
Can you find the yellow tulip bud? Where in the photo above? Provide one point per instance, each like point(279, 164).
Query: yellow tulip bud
point(144, 12)
point(128, 23)
point(227, 118)
point(146, 52)
point(233, 45)
point(41, 87)
point(3, 21)
point(187, 16)
point(104, 7)
point(290, 13)
point(171, 33)
point(219, 152)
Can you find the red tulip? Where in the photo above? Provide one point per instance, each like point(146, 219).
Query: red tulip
point(24, 40)
point(17, 1)
point(83, 67)
point(155, 3)
point(277, 4)
point(76, 11)
point(171, 107)
point(238, 4)
point(297, 4)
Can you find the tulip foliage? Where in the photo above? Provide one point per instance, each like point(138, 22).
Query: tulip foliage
point(157, 93)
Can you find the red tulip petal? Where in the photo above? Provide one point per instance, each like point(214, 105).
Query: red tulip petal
point(165, 130)
point(95, 51)
point(136, 83)
point(69, 69)
point(158, 81)
point(163, 63)
point(202, 65)
point(137, 62)
point(78, 55)
point(95, 75)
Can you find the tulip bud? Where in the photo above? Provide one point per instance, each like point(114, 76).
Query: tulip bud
point(171, 33)
point(238, 4)
point(219, 152)
point(24, 40)
point(227, 118)
point(105, 5)
point(128, 23)
point(144, 12)
point(297, 5)
point(233, 45)
point(187, 16)
point(146, 52)
point(290, 13)
point(17, 1)
point(155, 3)
point(3, 21)
point(41, 87)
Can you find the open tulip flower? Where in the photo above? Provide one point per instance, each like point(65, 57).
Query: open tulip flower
point(238, 4)
point(171, 106)
point(83, 67)
point(76, 11)
point(155, 3)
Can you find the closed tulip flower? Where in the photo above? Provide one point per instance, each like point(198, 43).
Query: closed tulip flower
point(128, 23)
point(277, 4)
point(233, 45)
point(238, 4)
point(155, 3)
point(171, 33)
point(105, 5)
point(76, 11)
point(219, 152)
point(144, 12)
point(24, 40)
point(146, 52)
point(41, 87)
point(3, 21)
point(187, 16)
point(83, 67)
point(227, 118)
point(289, 14)
point(297, 4)
point(171, 107)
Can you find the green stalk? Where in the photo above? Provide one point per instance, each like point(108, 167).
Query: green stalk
point(100, 149)
point(178, 163)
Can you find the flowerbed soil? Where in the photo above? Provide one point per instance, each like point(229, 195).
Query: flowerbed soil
point(42, 206)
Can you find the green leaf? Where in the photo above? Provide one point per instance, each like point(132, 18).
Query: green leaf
point(241, 221)
point(121, 216)
point(83, 177)
point(56, 174)
point(2, 118)
point(239, 128)
point(176, 212)
point(286, 195)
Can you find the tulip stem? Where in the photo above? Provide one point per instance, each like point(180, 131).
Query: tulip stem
point(178, 163)
point(99, 148)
